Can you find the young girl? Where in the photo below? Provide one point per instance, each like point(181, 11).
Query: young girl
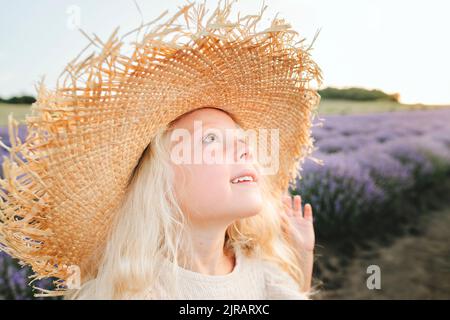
point(96, 195)
point(194, 223)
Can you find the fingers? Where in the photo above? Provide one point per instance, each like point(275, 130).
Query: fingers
point(298, 206)
point(295, 209)
point(308, 212)
point(287, 201)
point(288, 204)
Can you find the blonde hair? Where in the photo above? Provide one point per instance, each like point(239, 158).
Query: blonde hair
point(150, 224)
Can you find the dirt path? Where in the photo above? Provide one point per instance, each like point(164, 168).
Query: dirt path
point(413, 267)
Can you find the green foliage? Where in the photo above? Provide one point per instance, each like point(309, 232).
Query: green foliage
point(19, 100)
point(358, 94)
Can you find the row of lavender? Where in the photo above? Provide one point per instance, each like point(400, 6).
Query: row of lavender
point(377, 170)
point(376, 167)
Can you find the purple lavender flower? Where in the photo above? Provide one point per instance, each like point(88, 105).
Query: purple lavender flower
point(370, 159)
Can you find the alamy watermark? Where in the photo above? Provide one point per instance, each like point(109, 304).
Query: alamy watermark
point(73, 281)
point(73, 21)
point(374, 280)
point(226, 146)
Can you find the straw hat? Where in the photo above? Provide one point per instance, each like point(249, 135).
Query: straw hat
point(85, 137)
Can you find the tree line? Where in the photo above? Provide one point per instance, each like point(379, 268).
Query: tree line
point(352, 93)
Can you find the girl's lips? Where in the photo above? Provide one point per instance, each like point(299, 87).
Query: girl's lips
point(246, 177)
point(246, 184)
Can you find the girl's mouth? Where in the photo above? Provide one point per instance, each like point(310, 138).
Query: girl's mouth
point(245, 177)
point(242, 179)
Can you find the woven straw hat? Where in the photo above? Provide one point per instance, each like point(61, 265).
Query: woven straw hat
point(85, 137)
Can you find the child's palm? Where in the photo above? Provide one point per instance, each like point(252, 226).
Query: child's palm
point(302, 223)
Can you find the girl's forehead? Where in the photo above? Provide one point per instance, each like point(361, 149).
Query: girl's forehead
point(208, 117)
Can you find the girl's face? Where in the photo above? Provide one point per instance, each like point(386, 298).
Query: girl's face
point(207, 186)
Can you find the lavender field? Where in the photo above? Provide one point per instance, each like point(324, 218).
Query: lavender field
point(381, 172)
point(382, 197)
point(374, 166)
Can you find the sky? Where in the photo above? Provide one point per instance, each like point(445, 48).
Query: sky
point(397, 46)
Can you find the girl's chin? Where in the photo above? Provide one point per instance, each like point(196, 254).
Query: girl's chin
point(248, 207)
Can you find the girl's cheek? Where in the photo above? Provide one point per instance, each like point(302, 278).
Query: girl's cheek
point(209, 184)
point(213, 177)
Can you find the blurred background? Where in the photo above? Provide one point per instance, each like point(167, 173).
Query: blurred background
point(381, 199)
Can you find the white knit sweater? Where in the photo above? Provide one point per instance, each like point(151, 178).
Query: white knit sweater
point(250, 279)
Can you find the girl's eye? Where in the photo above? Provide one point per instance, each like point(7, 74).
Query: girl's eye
point(210, 137)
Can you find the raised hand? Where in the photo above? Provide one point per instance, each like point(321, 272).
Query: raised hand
point(299, 225)
point(301, 220)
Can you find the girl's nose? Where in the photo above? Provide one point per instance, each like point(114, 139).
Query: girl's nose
point(245, 153)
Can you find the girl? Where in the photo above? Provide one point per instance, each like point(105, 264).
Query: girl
point(97, 197)
point(216, 238)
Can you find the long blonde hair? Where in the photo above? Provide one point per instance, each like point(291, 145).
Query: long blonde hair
point(150, 225)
